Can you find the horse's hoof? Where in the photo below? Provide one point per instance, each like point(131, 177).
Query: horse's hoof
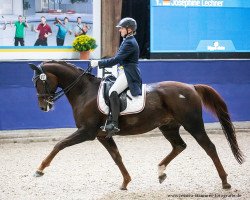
point(38, 174)
point(123, 188)
point(162, 178)
point(226, 186)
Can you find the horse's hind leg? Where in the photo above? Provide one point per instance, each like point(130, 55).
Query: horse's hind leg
point(202, 138)
point(171, 133)
point(110, 145)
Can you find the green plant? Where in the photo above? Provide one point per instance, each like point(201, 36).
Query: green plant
point(84, 43)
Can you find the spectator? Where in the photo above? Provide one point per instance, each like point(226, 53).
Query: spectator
point(80, 29)
point(19, 34)
point(4, 24)
point(3, 27)
point(44, 31)
point(63, 28)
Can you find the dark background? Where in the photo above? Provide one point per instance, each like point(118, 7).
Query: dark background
point(139, 10)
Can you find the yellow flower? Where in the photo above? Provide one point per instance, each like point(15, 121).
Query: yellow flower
point(84, 43)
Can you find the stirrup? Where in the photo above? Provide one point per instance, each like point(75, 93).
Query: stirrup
point(107, 129)
point(107, 122)
point(112, 132)
point(112, 127)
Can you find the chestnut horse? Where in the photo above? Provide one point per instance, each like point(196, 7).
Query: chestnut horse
point(169, 105)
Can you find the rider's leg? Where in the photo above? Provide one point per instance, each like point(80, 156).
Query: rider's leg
point(112, 127)
point(119, 86)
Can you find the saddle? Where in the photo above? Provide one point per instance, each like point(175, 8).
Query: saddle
point(107, 84)
point(128, 103)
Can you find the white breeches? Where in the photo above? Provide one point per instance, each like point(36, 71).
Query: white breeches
point(120, 84)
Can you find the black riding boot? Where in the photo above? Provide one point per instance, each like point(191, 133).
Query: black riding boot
point(112, 127)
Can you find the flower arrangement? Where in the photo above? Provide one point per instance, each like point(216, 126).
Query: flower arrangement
point(84, 43)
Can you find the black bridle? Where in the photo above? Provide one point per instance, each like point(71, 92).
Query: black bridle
point(52, 97)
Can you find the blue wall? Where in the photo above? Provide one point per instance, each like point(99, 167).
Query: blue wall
point(19, 108)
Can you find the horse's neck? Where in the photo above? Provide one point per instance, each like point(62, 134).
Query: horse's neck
point(84, 91)
point(66, 75)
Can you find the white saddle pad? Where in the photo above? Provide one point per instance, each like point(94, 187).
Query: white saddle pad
point(135, 105)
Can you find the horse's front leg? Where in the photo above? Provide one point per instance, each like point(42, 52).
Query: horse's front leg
point(77, 137)
point(110, 145)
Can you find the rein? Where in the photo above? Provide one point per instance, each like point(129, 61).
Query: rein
point(64, 91)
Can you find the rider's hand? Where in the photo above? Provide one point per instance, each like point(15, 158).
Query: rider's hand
point(94, 63)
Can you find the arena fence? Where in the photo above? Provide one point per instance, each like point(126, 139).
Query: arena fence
point(19, 108)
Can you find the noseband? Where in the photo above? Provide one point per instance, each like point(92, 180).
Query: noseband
point(46, 95)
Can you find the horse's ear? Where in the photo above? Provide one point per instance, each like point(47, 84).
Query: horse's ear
point(34, 67)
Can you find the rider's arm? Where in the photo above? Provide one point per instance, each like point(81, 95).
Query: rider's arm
point(125, 50)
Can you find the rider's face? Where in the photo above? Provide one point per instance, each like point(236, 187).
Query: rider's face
point(123, 31)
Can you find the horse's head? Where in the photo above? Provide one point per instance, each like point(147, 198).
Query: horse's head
point(46, 85)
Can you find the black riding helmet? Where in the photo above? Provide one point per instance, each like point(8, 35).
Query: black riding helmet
point(127, 22)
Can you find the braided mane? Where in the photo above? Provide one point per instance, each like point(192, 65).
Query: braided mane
point(64, 63)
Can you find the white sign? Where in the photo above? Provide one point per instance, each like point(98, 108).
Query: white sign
point(193, 3)
point(216, 47)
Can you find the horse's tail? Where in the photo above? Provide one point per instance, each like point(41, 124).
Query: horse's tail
point(214, 102)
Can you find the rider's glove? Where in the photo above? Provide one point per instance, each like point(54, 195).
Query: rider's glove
point(94, 63)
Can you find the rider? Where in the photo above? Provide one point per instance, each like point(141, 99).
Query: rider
point(129, 74)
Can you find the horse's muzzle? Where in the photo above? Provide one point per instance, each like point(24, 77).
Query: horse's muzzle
point(46, 105)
